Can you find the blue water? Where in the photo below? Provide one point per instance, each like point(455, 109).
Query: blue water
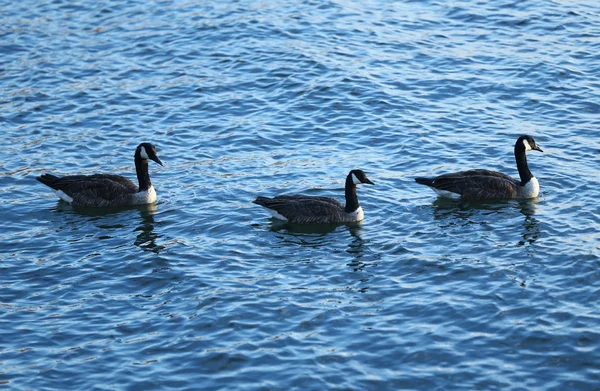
point(203, 290)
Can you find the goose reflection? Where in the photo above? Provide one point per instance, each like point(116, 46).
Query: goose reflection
point(320, 229)
point(531, 225)
point(323, 242)
point(146, 238)
point(305, 235)
point(452, 213)
point(362, 256)
point(312, 235)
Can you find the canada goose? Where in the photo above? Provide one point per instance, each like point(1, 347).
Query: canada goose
point(299, 209)
point(489, 185)
point(101, 190)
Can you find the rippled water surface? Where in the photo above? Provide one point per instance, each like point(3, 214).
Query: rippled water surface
point(203, 290)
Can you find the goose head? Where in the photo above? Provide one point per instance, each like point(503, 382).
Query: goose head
point(359, 177)
point(529, 143)
point(147, 151)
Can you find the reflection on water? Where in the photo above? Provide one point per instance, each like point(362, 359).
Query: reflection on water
point(528, 207)
point(146, 238)
point(319, 235)
point(443, 204)
point(362, 255)
point(531, 225)
point(62, 206)
point(321, 229)
point(238, 114)
point(451, 213)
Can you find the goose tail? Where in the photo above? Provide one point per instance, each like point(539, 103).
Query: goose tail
point(48, 180)
point(424, 181)
point(262, 201)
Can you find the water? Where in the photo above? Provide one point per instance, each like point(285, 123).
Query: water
point(204, 291)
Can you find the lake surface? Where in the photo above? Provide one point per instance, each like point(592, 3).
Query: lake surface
point(203, 290)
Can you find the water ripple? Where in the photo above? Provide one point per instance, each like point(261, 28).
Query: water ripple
point(246, 98)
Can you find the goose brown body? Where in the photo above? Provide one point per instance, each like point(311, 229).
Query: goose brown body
point(102, 190)
point(483, 184)
point(301, 209)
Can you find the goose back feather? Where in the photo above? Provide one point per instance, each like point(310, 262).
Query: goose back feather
point(306, 209)
point(474, 184)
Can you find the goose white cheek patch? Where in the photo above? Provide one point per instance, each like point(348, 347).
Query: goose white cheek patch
point(143, 153)
point(355, 180)
point(527, 146)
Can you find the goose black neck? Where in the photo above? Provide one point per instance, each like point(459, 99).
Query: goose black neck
point(351, 199)
point(521, 158)
point(141, 169)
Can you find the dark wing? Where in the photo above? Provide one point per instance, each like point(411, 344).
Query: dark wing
point(302, 198)
point(478, 184)
point(304, 209)
point(93, 190)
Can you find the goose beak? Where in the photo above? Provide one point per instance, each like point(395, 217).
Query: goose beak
point(156, 159)
point(538, 148)
point(368, 182)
